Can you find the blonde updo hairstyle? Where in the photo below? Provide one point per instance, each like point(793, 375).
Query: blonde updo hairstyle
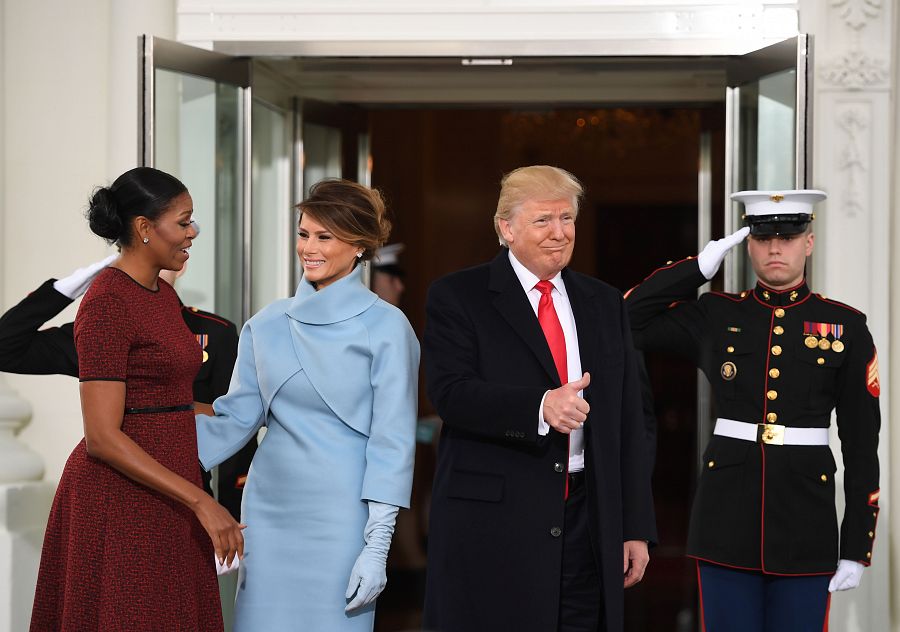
point(351, 212)
point(537, 182)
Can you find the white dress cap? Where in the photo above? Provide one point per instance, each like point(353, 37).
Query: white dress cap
point(760, 203)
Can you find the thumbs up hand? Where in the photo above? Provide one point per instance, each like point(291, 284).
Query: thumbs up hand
point(564, 409)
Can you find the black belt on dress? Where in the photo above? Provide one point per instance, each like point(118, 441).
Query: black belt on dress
point(159, 409)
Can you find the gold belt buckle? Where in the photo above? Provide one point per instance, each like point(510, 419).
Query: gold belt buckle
point(773, 434)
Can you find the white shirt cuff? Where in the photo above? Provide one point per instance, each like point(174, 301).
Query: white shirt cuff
point(543, 426)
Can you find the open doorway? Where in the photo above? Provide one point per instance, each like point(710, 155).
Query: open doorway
point(658, 141)
point(440, 170)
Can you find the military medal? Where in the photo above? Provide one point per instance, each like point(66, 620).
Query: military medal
point(824, 345)
point(203, 340)
point(728, 371)
point(837, 346)
point(811, 342)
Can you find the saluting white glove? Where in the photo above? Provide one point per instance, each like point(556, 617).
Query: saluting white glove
point(712, 255)
point(847, 576)
point(78, 282)
point(368, 577)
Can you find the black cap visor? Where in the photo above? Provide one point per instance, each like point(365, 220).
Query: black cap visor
point(774, 225)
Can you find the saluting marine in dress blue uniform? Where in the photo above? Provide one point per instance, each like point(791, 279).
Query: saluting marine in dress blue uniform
point(779, 360)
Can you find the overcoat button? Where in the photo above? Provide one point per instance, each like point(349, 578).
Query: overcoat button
point(711, 464)
point(557, 467)
point(556, 532)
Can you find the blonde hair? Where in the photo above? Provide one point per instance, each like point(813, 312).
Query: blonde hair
point(537, 182)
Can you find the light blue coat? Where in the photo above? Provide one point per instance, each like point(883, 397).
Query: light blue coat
point(333, 376)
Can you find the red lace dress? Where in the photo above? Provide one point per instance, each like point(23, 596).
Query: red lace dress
point(118, 555)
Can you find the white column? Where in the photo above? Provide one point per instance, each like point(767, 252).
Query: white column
point(24, 502)
point(852, 161)
point(24, 505)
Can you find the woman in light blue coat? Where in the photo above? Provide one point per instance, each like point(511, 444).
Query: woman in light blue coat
point(332, 374)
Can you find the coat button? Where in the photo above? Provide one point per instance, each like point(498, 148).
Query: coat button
point(556, 532)
point(776, 350)
point(869, 555)
point(820, 360)
point(871, 534)
point(730, 349)
point(824, 478)
point(779, 313)
point(558, 467)
point(772, 418)
point(772, 395)
point(774, 373)
point(778, 330)
point(711, 464)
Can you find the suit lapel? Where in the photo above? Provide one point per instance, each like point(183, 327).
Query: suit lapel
point(512, 303)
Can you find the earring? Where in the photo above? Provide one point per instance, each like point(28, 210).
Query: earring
point(359, 255)
point(146, 240)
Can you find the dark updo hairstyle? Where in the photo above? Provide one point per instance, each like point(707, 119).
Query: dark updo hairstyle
point(142, 191)
point(353, 213)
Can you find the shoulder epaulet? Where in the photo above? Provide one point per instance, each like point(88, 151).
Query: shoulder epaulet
point(736, 297)
point(825, 299)
point(196, 311)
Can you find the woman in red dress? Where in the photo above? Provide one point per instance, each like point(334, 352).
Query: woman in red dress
point(131, 535)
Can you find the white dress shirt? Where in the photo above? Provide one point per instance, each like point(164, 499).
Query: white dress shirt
point(573, 359)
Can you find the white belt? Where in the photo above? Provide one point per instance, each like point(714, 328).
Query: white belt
point(773, 434)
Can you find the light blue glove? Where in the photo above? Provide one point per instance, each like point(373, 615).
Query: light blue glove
point(368, 577)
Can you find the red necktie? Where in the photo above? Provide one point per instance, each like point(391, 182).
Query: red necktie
point(553, 332)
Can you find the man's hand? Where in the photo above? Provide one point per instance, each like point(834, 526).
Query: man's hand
point(564, 410)
point(847, 576)
point(636, 559)
point(712, 255)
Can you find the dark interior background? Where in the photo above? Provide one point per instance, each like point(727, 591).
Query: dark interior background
point(440, 171)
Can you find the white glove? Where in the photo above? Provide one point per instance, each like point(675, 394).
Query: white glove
point(77, 283)
point(712, 255)
point(224, 569)
point(368, 577)
point(847, 576)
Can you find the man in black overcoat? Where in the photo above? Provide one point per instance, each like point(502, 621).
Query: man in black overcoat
point(541, 509)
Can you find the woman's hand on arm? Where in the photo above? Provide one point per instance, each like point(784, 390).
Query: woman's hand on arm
point(103, 406)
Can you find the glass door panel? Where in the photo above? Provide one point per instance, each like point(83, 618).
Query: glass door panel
point(272, 217)
point(767, 133)
point(194, 109)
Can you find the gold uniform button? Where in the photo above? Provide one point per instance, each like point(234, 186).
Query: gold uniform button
point(744, 294)
point(820, 360)
point(669, 262)
point(824, 478)
point(730, 349)
point(871, 534)
point(765, 295)
point(811, 342)
point(772, 418)
point(772, 395)
point(778, 330)
point(774, 373)
point(776, 350)
point(869, 555)
point(837, 346)
point(779, 313)
point(711, 464)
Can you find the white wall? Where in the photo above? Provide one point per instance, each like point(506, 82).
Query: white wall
point(70, 121)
